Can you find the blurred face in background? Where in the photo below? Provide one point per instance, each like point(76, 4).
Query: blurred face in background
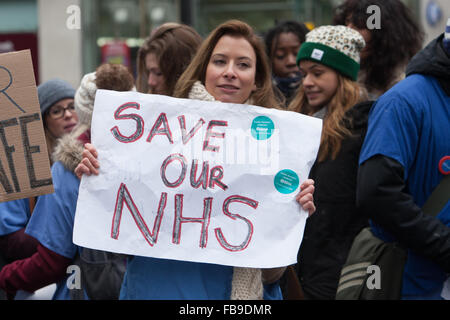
point(231, 71)
point(61, 117)
point(285, 50)
point(156, 80)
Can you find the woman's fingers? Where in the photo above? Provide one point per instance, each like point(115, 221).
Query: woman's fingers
point(90, 147)
point(305, 197)
point(89, 164)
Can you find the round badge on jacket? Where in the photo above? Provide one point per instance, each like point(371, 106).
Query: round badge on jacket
point(444, 165)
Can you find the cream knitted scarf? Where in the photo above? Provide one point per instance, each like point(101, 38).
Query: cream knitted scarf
point(247, 282)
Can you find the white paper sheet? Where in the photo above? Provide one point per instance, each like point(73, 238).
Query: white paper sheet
point(148, 200)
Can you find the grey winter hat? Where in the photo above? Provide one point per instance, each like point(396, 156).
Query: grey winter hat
point(52, 91)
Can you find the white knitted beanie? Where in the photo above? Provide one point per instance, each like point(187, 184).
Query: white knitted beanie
point(337, 47)
point(84, 98)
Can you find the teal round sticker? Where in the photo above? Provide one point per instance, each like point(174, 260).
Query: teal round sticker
point(262, 128)
point(286, 181)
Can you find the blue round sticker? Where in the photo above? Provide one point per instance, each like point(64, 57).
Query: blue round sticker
point(262, 128)
point(286, 181)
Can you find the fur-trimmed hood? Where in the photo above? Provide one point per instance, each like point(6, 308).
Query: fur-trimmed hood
point(69, 151)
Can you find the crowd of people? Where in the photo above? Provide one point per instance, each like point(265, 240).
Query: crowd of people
point(385, 108)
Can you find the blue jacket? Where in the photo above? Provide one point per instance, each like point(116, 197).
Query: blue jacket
point(14, 215)
point(53, 217)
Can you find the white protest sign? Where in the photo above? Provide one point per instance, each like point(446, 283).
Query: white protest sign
point(196, 181)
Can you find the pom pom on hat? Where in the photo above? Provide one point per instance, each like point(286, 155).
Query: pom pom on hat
point(337, 47)
point(84, 98)
point(52, 91)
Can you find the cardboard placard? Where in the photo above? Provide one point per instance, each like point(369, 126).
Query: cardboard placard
point(24, 164)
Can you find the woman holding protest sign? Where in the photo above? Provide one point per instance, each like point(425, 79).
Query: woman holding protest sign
point(329, 63)
point(230, 66)
point(53, 217)
point(59, 118)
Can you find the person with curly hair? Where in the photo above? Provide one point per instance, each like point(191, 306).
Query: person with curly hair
point(403, 161)
point(389, 48)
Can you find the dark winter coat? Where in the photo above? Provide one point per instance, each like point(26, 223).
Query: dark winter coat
point(329, 232)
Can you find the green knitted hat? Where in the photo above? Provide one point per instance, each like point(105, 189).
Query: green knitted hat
point(337, 47)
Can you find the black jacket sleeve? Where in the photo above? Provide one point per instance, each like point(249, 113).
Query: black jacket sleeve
point(382, 196)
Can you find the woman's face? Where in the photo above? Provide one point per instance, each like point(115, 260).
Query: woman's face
point(285, 55)
point(61, 118)
point(230, 74)
point(156, 80)
point(319, 83)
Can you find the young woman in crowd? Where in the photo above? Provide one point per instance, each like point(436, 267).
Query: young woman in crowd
point(282, 44)
point(53, 217)
point(329, 64)
point(230, 66)
point(59, 118)
point(158, 69)
point(390, 44)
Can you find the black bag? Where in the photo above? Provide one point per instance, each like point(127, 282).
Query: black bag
point(369, 251)
point(101, 274)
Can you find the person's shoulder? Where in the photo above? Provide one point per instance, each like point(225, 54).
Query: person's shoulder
point(406, 94)
point(62, 177)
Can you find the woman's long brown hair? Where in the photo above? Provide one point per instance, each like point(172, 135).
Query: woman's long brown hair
point(348, 94)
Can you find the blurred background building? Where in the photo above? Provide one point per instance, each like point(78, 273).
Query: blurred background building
point(69, 38)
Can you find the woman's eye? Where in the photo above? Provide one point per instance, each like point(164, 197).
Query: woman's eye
point(218, 61)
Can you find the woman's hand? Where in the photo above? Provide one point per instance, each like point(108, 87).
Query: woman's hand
point(305, 197)
point(89, 164)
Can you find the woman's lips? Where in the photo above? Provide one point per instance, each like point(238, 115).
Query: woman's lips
point(69, 127)
point(312, 95)
point(228, 88)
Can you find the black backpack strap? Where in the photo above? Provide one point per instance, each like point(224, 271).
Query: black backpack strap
point(439, 198)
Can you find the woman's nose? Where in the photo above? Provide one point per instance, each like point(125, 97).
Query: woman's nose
point(152, 81)
point(229, 71)
point(68, 113)
point(307, 81)
point(291, 61)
